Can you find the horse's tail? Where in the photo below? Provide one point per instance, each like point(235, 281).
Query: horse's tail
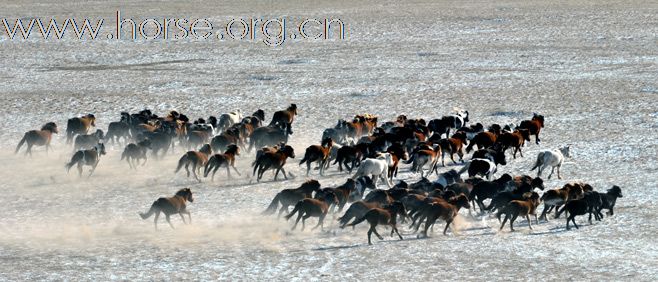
point(538, 163)
point(185, 159)
point(505, 210)
point(559, 212)
point(75, 159)
point(255, 164)
point(343, 220)
point(273, 205)
point(20, 143)
point(303, 160)
point(362, 219)
point(150, 212)
point(298, 206)
point(124, 155)
point(210, 164)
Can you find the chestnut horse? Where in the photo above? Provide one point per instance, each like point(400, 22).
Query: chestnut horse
point(533, 126)
point(452, 145)
point(227, 159)
point(318, 153)
point(312, 208)
point(514, 139)
point(40, 137)
point(524, 207)
point(169, 206)
point(273, 160)
point(198, 159)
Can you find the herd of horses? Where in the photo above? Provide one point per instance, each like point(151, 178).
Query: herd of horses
point(373, 150)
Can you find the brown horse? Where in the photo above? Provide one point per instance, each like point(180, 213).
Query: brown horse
point(89, 157)
point(446, 210)
point(452, 145)
point(342, 192)
point(135, 152)
point(169, 206)
point(398, 153)
point(483, 140)
point(289, 197)
point(318, 153)
point(357, 210)
point(385, 215)
point(198, 159)
point(273, 160)
point(514, 139)
point(423, 155)
point(227, 159)
point(79, 125)
point(285, 117)
point(517, 208)
point(558, 197)
point(312, 208)
point(40, 137)
point(533, 126)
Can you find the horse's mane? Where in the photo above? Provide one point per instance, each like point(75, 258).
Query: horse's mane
point(184, 192)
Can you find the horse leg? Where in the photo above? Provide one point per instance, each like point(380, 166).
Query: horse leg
point(375, 231)
point(320, 222)
point(370, 234)
point(445, 230)
point(155, 220)
point(299, 217)
point(528, 218)
point(93, 168)
point(304, 220)
point(396, 231)
point(236, 170)
point(550, 174)
point(182, 217)
point(504, 221)
point(558, 171)
point(169, 221)
point(194, 169)
point(285, 175)
point(80, 168)
point(511, 222)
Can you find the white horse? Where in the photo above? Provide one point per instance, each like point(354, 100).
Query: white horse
point(375, 167)
point(226, 120)
point(552, 158)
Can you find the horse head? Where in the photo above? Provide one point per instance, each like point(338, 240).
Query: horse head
point(186, 193)
point(100, 148)
point(566, 151)
point(50, 126)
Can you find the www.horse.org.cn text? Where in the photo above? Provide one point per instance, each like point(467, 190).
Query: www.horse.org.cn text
point(270, 31)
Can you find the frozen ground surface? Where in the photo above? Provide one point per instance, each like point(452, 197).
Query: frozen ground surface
point(589, 67)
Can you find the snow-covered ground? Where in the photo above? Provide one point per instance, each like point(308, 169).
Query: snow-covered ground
point(590, 68)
